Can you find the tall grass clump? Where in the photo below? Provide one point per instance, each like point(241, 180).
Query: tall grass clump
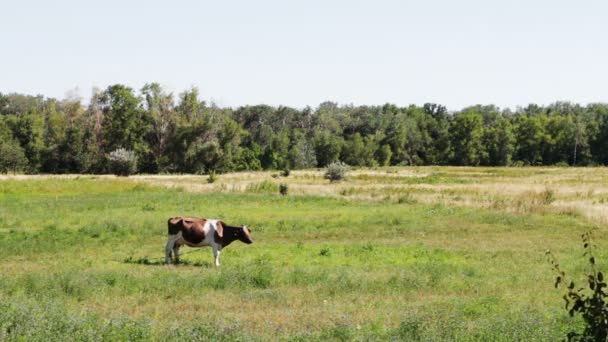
point(262, 187)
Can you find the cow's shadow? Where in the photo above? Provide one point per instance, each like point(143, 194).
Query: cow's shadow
point(161, 262)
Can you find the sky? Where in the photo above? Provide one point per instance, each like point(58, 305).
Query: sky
point(301, 53)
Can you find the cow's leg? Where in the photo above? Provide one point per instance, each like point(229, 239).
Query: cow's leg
point(216, 255)
point(169, 248)
point(176, 253)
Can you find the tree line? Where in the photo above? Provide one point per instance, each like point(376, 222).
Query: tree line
point(183, 134)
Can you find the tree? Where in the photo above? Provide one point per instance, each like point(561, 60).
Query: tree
point(72, 151)
point(163, 120)
point(437, 128)
point(360, 151)
point(530, 139)
point(466, 132)
point(302, 153)
point(327, 147)
point(189, 106)
point(28, 130)
point(498, 140)
point(124, 124)
point(598, 133)
point(12, 157)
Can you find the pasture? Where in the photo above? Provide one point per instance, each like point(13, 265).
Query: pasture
point(428, 253)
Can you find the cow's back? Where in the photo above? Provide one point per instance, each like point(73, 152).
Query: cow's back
point(188, 230)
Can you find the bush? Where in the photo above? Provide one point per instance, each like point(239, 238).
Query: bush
point(336, 171)
point(212, 177)
point(283, 189)
point(122, 162)
point(285, 172)
point(591, 306)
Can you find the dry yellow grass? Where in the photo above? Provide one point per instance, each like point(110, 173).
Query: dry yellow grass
point(575, 191)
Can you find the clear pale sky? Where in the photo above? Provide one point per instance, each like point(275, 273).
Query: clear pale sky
point(300, 53)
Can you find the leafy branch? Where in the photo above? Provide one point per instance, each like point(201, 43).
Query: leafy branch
point(591, 306)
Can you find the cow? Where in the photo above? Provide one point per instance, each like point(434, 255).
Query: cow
point(200, 232)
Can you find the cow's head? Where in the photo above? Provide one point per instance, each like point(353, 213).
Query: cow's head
point(244, 234)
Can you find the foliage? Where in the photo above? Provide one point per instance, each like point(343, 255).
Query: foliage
point(283, 189)
point(122, 162)
point(592, 307)
point(212, 177)
point(12, 157)
point(336, 171)
point(182, 134)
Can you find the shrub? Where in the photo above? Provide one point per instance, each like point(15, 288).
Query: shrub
point(283, 189)
point(212, 177)
point(336, 171)
point(285, 172)
point(591, 306)
point(122, 162)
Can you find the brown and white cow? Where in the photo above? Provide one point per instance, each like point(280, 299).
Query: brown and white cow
point(200, 232)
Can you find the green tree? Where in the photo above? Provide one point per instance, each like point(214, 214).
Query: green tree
point(499, 141)
point(12, 157)
point(437, 128)
point(598, 133)
point(359, 151)
point(327, 147)
point(28, 130)
point(466, 134)
point(190, 107)
point(530, 139)
point(163, 121)
point(123, 122)
point(301, 153)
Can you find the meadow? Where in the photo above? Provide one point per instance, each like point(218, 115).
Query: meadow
point(413, 254)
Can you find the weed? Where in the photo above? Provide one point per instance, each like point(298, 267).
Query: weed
point(263, 187)
point(406, 198)
point(283, 189)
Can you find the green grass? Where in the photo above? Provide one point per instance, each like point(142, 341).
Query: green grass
point(81, 260)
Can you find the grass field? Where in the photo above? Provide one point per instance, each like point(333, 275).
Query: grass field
point(436, 253)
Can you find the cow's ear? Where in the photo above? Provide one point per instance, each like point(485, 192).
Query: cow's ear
point(219, 229)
